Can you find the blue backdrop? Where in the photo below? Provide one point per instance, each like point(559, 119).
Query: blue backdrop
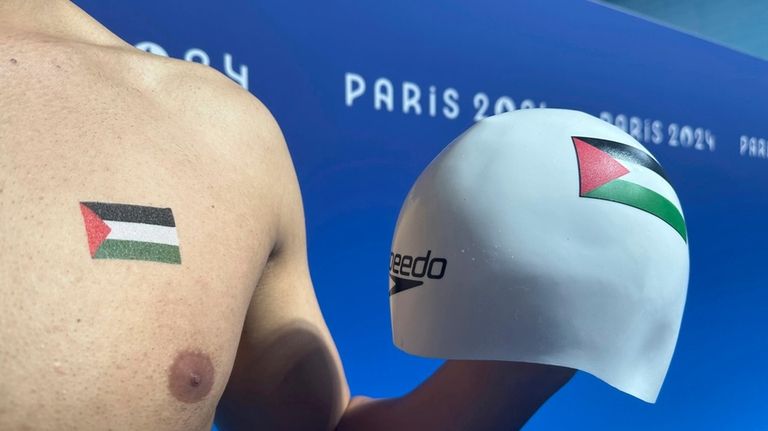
point(699, 107)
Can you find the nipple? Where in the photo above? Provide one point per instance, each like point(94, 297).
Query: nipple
point(190, 377)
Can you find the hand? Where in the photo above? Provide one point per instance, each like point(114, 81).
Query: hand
point(463, 395)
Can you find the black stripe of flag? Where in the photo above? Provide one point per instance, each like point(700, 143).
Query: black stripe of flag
point(132, 213)
point(626, 153)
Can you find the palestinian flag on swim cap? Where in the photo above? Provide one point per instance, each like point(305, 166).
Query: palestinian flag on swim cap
point(133, 232)
point(625, 174)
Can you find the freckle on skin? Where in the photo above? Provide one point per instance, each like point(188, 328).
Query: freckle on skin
point(14, 61)
point(57, 367)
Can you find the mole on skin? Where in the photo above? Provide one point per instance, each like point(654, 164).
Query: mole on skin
point(190, 377)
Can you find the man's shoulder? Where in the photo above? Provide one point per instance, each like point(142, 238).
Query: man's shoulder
point(175, 85)
point(207, 103)
point(203, 91)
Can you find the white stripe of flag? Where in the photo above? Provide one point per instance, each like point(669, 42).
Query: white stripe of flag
point(142, 232)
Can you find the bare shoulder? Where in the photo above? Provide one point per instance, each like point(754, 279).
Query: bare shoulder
point(233, 127)
point(206, 94)
point(189, 90)
point(231, 124)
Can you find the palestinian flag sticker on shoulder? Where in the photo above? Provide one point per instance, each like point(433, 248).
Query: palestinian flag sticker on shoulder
point(131, 232)
point(625, 174)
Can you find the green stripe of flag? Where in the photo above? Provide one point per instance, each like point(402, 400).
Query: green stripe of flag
point(137, 250)
point(644, 199)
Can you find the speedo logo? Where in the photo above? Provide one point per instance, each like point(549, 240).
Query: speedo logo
point(408, 271)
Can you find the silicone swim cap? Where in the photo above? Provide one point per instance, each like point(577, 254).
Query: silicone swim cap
point(545, 236)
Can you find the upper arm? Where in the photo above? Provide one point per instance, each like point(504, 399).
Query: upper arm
point(287, 373)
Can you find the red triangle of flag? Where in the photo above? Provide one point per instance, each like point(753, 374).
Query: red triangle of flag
point(596, 167)
point(96, 229)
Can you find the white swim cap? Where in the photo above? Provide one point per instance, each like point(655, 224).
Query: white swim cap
point(545, 236)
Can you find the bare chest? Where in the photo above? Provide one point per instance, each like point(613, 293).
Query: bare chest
point(129, 259)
